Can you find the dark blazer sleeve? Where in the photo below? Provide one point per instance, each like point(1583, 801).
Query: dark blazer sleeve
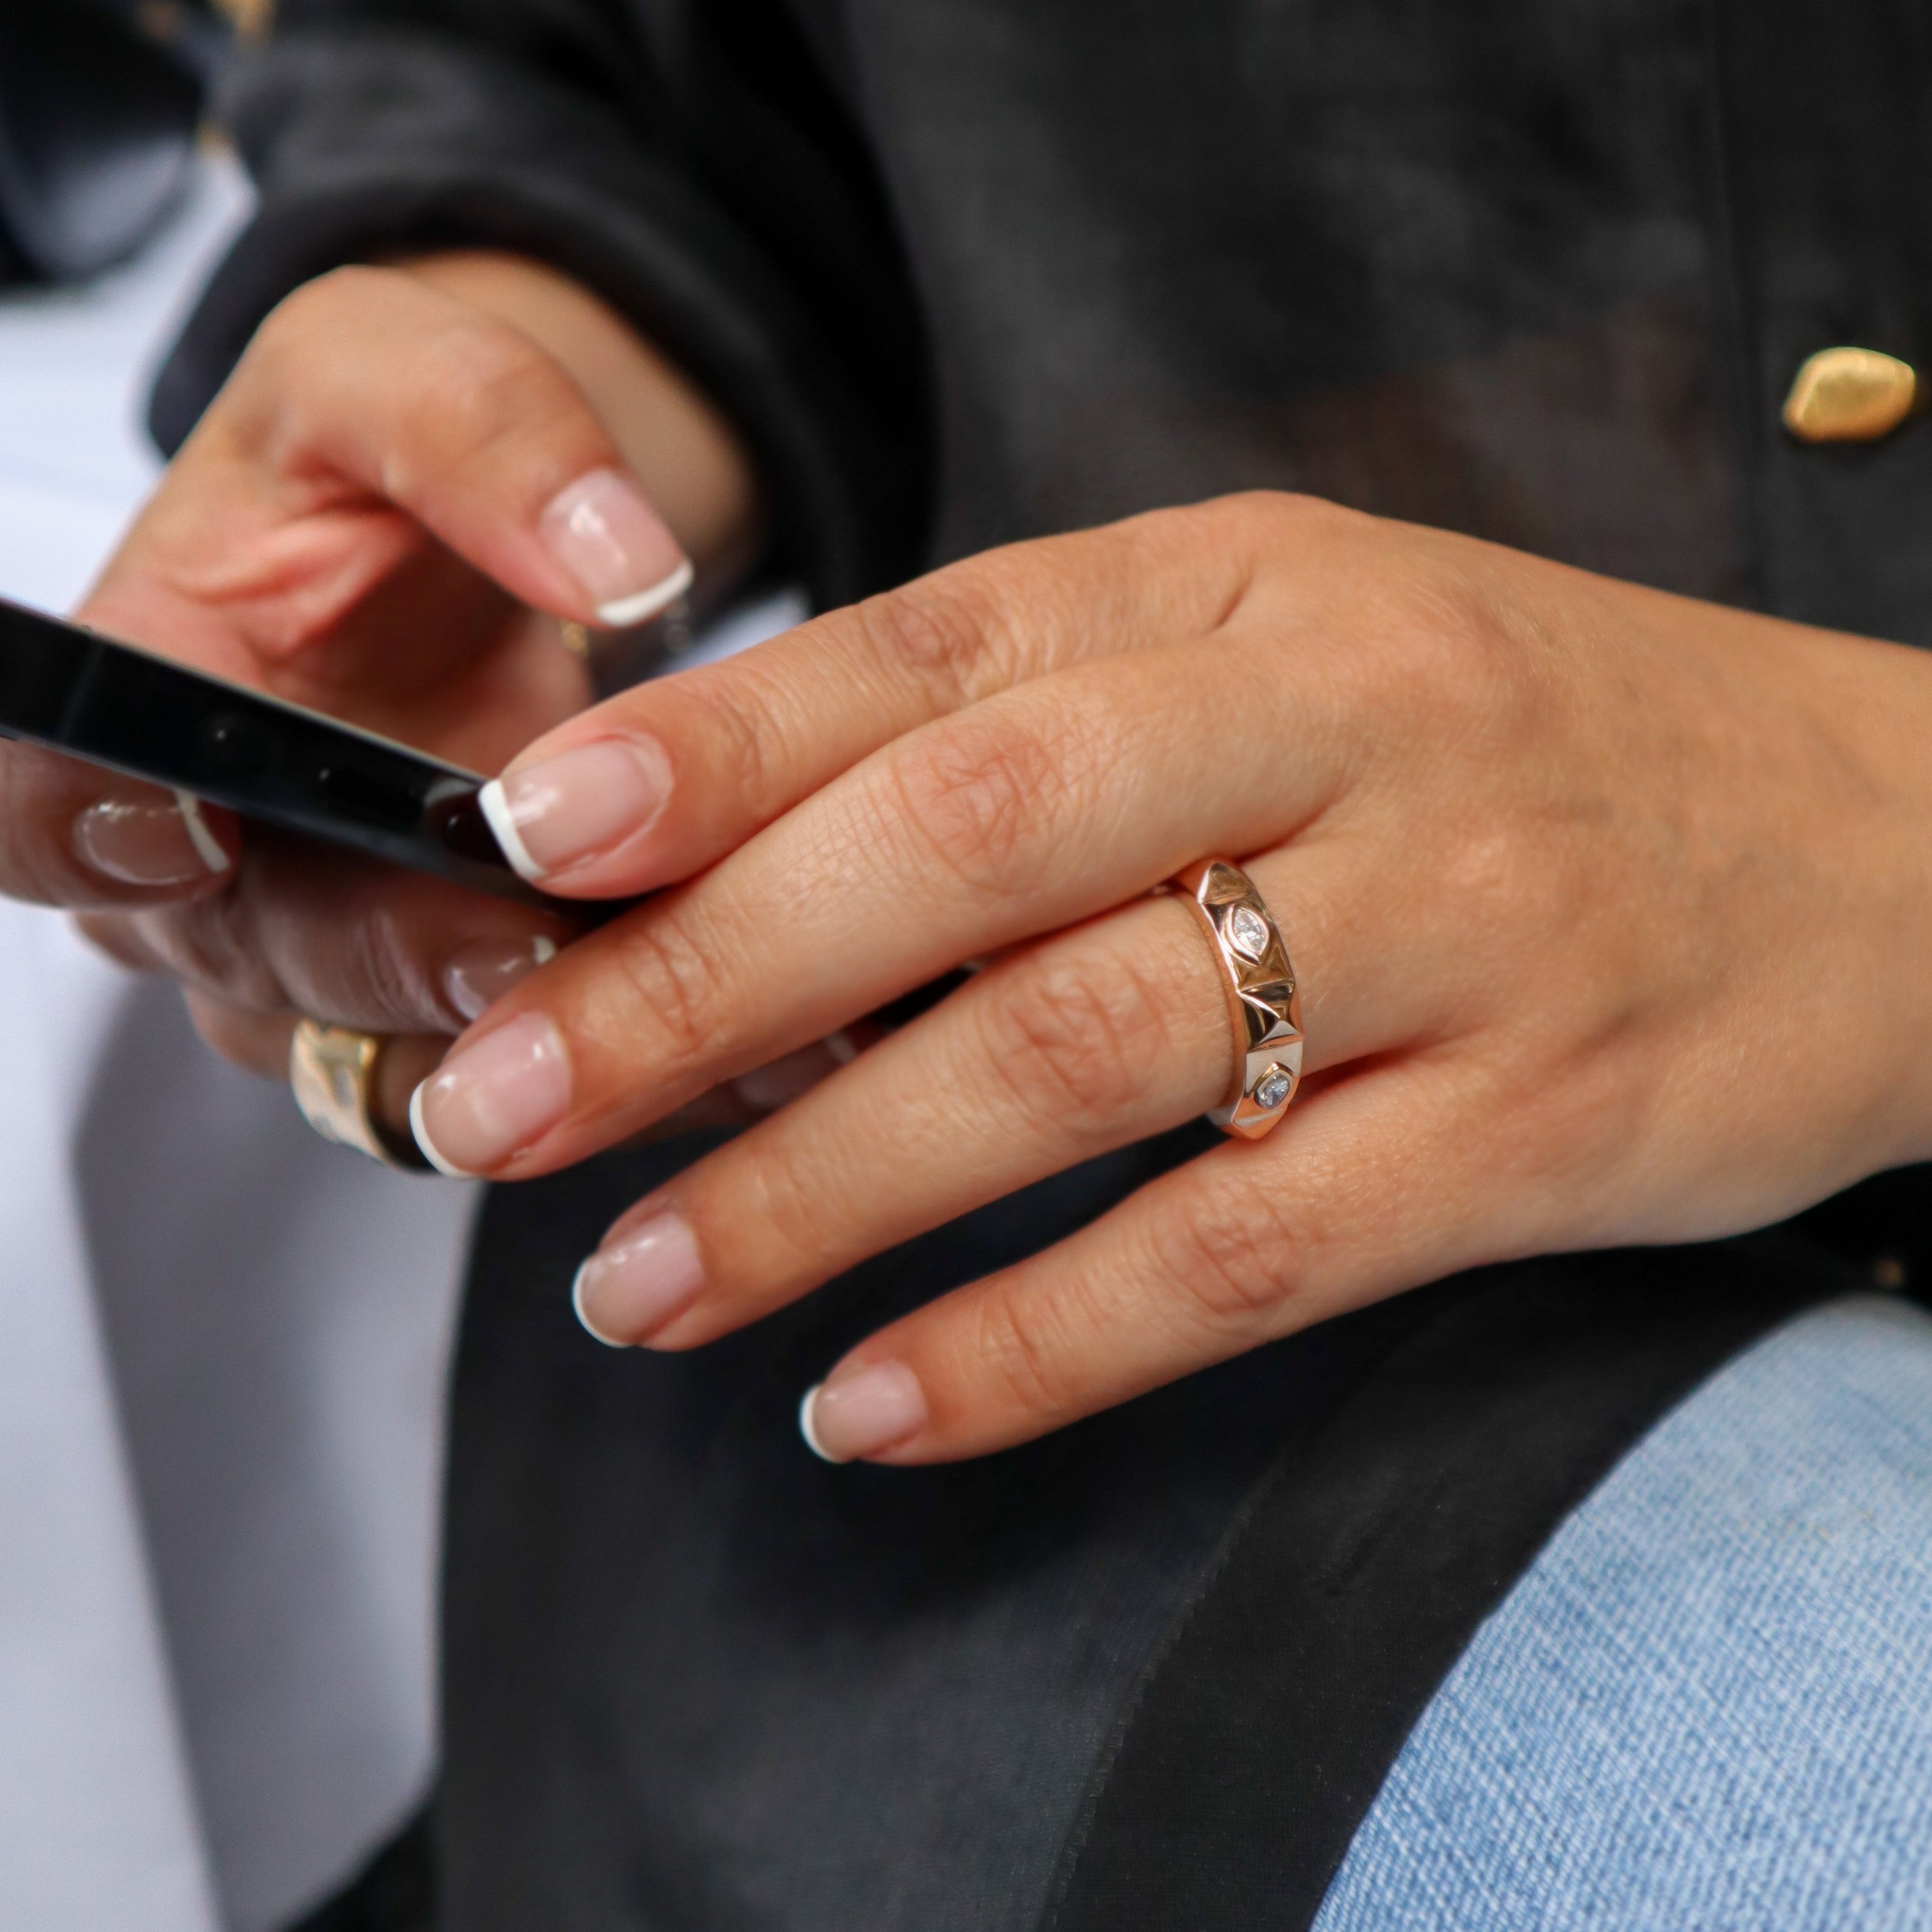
point(688, 160)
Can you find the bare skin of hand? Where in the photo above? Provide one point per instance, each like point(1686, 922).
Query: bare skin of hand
point(1609, 912)
point(411, 476)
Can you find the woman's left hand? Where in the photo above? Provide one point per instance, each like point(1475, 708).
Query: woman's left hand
point(1610, 911)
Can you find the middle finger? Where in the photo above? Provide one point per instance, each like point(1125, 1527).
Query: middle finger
point(1039, 808)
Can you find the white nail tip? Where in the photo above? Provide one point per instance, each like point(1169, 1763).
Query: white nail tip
point(543, 950)
point(208, 848)
point(495, 807)
point(624, 613)
point(428, 1146)
point(805, 1429)
point(590, 1328)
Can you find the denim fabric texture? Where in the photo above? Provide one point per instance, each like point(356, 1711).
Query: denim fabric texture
point(1709, 1702)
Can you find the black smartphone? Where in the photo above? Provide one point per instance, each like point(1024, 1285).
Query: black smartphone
point(68, 687)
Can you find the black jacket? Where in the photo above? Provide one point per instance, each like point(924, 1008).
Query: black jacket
point(971, 270)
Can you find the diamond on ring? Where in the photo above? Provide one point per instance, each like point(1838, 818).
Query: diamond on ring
point(1272, 1088)
point(1248, 932)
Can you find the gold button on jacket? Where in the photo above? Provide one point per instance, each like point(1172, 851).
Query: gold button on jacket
point(1850, 395)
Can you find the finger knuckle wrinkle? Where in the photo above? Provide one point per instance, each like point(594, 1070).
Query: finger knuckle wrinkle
point(1069, 1041)
point(490, 388)
point(737, 717)
point(212, 943)
point(381, 969)
point(1021, 1344)
point(785, 1188)
point(984, 796)
point(672, 980)
point(1235, 1262)
point(940, 631)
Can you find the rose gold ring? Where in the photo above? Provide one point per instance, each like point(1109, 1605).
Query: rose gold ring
point(1263, 1006)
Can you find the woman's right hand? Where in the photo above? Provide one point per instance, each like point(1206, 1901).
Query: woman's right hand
point(382, 516)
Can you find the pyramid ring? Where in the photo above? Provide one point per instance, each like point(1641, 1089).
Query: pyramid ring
point(1263, 1007)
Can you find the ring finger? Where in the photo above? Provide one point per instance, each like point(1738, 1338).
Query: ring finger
point(1084, 1043)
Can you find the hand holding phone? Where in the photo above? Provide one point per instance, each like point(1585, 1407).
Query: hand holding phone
point(349, 528)
point(70, 689)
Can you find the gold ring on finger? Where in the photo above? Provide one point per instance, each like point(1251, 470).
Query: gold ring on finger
point(332, 1074)
point(1264, 1005)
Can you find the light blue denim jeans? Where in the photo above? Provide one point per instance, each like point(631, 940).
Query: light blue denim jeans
point(1708, 1703)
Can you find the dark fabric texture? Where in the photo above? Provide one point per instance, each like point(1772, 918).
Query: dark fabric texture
point(1148, 1672)
point(966, 271)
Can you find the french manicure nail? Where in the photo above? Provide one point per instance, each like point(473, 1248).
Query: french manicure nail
point(860, 1412)
point(148, 842)
point(563, 810)
point(492, 1097)
point(627, 1290)
point(479, 974)
point(602, 530)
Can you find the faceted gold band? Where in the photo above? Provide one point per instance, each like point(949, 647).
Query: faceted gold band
point(331, 1071)
point(1263, 1005)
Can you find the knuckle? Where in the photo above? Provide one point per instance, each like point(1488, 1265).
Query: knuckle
point(1024, 1345)
point(1235, 1259)
point(1284, 516)
point(740, 721)
point(1441, 657)
point(984, 795)
point(673, 979)
point(1075, 1044)
point(211, 944)
point(382, 978)
point(948, 631)
point(310, 315)
point(785, 1187)
point(491, 386)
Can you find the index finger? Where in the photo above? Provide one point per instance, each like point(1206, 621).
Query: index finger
point(658, 783)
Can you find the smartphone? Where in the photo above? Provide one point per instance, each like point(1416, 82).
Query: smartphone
point(113, 704)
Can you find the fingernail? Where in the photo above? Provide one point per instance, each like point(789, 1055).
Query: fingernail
point(492, 1096)
point(479, 974)
point(148, 842)
point(602, 530)
point(562, 810)
point(861, 1411)
point(625, 1292)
